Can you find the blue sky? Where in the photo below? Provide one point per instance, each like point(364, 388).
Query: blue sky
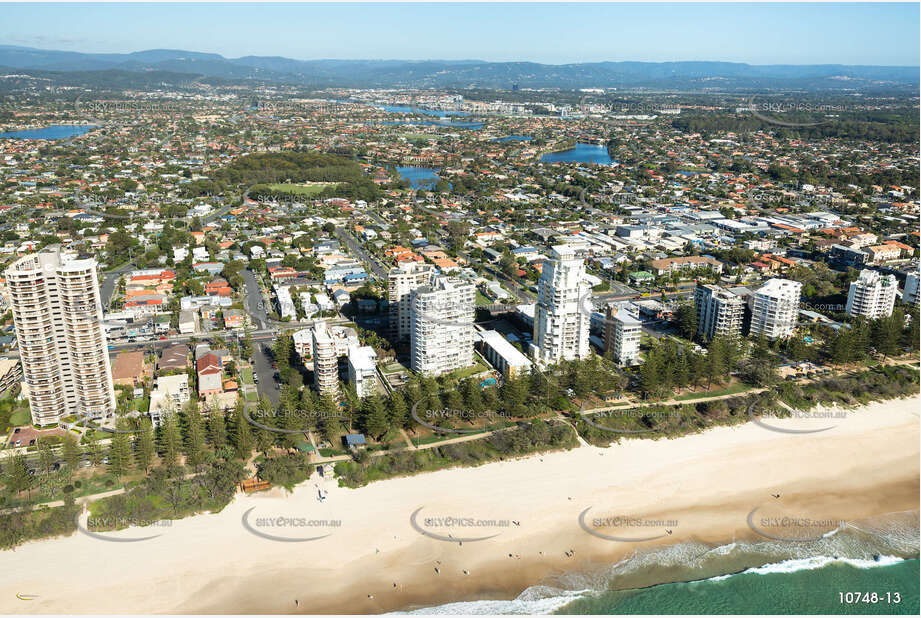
point(782, 33)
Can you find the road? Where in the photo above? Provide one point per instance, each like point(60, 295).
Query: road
point(108, 283)
point(355, 247)
point(255, 302)
point(262, 367)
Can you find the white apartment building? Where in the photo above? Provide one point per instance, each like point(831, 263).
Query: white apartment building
point(58, 316)
point(561, 327)
point(362, 362)
point(622, 335)
point(774, 308)
point(325, 361)
point(719, 312)
point(910, 292)
point(501, 354)
point(441, 325)
point(401, 282)
point(286, 307)
point(871, 295)
point(169, 395)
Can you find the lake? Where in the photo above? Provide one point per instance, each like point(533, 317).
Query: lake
point(419, 177)
point(438, 123)
point(58, 131)
point(514, 138)
point(582, 153)
point(406, 109)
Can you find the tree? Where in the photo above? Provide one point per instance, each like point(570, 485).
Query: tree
point(329, 419)
point(170, 443)
point(120, 451)
point(241, 438)
point(373, 419)
point(144, 447)
point(686, 318)
point(70, 452)
point(94, 448)
point(194, 434)
point(17, 477)
point(398, 415)
point(45, 458)
point(217, 430)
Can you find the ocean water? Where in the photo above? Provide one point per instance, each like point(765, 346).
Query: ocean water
point(809, 586)
point(769, 577)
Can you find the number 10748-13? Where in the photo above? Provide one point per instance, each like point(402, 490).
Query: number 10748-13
point(869, 597)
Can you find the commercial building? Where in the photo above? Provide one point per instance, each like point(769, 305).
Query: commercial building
point(561, 326)
point(622, 335)
point(774, 308)
point(871, 295)
point(719, 312)
point(690, 262)
point(401, 282)
point(441, 325)
point(58, 316)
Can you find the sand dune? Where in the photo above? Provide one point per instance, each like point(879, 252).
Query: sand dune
point(702, 487)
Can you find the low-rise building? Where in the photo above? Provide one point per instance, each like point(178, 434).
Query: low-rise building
point(501, 354)
point(129, 369)
point(168, 396)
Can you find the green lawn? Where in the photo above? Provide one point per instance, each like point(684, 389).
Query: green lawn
point(466, 372)
point(247, 375)
point(481, 299)
point(302, 189)
point(731, 390)
point(252, 396)
point(20, 417)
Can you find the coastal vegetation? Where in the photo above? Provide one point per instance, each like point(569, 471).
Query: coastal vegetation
point(674, 420)
point(525, 439)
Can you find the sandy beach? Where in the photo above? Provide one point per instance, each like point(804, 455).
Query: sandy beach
point(703, 486)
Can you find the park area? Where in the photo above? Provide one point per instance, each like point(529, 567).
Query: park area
point(306, 188)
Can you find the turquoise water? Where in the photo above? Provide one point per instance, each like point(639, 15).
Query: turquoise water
point(582, 153)
point(779, 589)
point(758, 577)
point(514, 138)
point(60, 131)
point(419, 177)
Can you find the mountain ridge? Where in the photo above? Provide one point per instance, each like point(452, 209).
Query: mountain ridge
point(680, 75)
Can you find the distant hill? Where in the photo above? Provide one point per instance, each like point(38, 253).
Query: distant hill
point(684, 76)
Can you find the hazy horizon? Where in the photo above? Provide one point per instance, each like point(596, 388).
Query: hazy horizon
point(796, 34)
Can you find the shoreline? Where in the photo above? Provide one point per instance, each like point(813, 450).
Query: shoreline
point(706, 483)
